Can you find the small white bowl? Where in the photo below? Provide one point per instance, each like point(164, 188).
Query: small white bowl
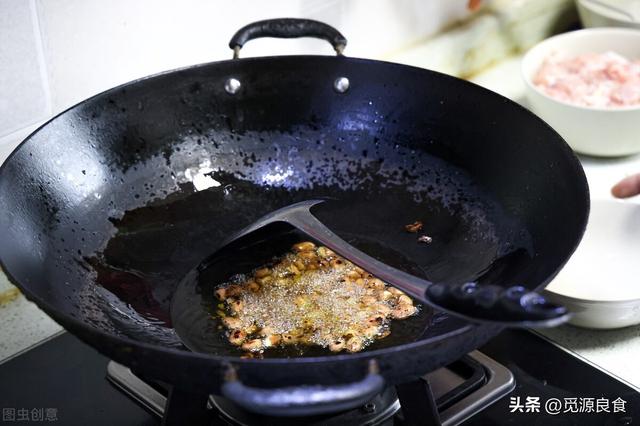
point(600, 284)
point(620, 13)
point(606, 132)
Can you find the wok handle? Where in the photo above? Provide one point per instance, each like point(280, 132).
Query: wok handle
point(305, 400)
point(287, 28)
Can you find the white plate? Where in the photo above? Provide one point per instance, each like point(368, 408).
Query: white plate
point(601, 282)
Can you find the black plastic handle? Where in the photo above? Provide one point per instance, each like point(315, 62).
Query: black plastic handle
point(287, 28)
point(309, 400)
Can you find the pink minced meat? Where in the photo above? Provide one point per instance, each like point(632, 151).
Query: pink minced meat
point(593, 79)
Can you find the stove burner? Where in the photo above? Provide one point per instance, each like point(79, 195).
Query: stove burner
point(459, 391)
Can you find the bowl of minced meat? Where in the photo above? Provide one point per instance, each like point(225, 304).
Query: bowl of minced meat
point(586, 85)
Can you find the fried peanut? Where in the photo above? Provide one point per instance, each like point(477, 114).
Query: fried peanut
point(304, 246)
point(253, 345)
point(262, 272)
point(327, 299)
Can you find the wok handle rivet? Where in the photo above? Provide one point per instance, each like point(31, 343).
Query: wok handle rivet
point(369, 407)
point(232, 85)
point(341, 84)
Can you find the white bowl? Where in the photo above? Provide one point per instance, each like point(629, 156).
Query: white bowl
point(600, 284)
point(607, 132)
point(622, 13)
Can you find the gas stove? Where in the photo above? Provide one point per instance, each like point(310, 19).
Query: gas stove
point(511, 380)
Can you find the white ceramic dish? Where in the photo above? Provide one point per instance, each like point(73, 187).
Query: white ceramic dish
point(601, 282)
point(609, 13)
point(607, 132)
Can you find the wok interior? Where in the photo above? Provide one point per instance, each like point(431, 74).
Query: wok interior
point(146, 180)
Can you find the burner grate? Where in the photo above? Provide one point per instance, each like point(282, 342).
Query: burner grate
point(447, 396)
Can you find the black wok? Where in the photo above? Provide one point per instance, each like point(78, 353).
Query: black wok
point(105, 209)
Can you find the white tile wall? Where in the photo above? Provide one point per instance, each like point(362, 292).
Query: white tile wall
point(93, 45)
point(24, 96)
point(10, 141)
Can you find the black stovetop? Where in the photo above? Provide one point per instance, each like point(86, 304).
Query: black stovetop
point(67, 376)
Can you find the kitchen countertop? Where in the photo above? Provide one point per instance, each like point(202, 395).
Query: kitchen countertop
point(23, 324)
point(615, 351)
